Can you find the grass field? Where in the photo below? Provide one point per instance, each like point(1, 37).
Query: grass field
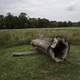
point(38, 66)
point(20, 36)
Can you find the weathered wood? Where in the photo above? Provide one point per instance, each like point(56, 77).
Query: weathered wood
point(57, 48)
point(24, 53)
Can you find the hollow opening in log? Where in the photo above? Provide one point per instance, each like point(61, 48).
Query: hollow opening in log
point(59, 49)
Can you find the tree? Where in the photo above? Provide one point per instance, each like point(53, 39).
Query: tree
point(70, 23)
point(1, 21)
point(53, 24)
point(9, 23)
point(33, 22)
point(23, 20)
point(22, 14)
point(43, 23)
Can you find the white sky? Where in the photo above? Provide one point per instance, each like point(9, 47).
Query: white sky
point(63, 10)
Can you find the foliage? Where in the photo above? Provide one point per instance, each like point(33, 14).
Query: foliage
point(24, 21)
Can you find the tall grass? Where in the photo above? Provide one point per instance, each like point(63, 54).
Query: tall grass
point(24, 36)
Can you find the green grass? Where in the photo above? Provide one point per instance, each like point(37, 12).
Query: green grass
point(24, 36)
point(38, 66)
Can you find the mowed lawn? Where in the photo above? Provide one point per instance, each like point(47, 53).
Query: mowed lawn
point(37, 66)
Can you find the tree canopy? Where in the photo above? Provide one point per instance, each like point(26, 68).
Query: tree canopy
point(23, 21)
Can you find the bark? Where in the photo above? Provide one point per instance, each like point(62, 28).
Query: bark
point(57, 49)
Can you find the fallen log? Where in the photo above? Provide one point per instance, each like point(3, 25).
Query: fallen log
point(16, 54)
point(57, 48)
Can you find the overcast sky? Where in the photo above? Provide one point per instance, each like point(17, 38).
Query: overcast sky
point(63, 10)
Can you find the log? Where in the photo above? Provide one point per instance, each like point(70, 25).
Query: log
point(57, 48)
point(16, 54)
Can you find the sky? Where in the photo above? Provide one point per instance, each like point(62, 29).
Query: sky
point(59, 10)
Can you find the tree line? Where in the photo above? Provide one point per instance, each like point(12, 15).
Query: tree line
point(24, 21)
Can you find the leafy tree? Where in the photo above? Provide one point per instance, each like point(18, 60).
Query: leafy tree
point(1, 21)
point(53, 24)
point(9, 21)
point(23, 20)
point(22, 14)
point(70, 23)
point(43, 23)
